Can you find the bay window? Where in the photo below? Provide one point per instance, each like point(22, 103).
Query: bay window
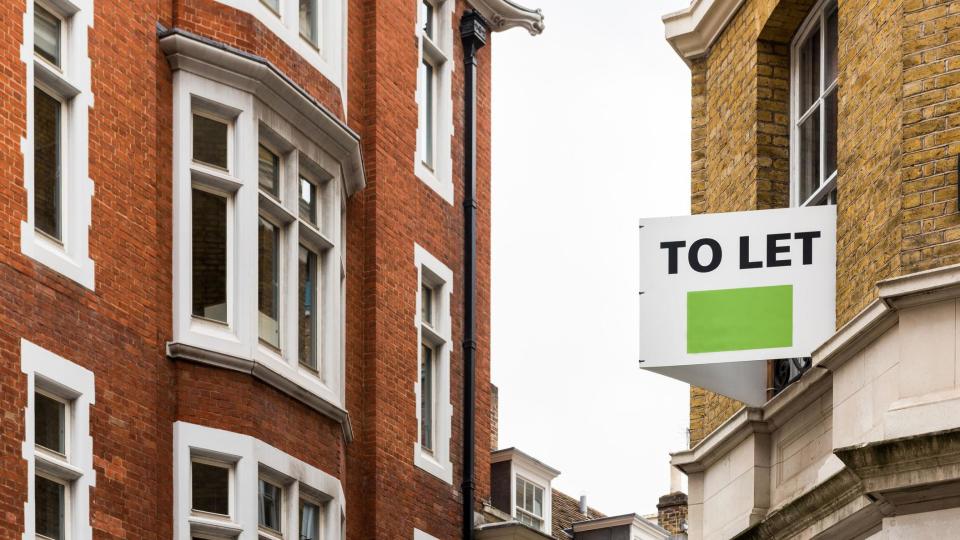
point(258, 213)
point(228, 485)
point(814, 108)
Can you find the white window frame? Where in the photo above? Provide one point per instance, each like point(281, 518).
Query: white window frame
point(70, 84)
point(816, 19)
point(329, 55)
point(440, 278)
point(518, 508)
point(253, 123)
point(439, 53)
point(53, 375)
point(250, 459)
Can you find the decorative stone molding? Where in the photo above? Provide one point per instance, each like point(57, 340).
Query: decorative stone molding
point(503, 15)
point(692, 30)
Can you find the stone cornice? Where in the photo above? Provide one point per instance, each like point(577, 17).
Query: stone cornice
point(692, 30)
point(526, 460)
point(503, 15)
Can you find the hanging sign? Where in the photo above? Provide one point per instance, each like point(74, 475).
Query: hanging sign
point(720, 289)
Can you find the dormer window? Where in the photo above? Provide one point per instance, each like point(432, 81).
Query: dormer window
point(529, 503)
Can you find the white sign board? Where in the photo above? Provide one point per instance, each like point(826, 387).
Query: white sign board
point(720, 289)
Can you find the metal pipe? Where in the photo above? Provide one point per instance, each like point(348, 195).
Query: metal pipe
point(473, 35)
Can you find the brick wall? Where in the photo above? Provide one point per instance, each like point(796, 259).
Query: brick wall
point(120, 330)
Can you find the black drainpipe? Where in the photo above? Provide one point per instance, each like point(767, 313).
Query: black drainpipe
point(473, 35)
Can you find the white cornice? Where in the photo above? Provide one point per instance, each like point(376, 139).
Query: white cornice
point(503, 15)
point(525, 460)
point(634, 520)
point(692, 30)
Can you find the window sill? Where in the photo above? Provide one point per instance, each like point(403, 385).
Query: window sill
point(428, 462)
point(443, 186)
point(277, 374)
point(55, 257)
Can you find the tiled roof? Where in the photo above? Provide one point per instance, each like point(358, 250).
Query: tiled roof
point(566, 511)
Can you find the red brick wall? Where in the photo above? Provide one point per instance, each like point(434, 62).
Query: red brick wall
point(119, 330)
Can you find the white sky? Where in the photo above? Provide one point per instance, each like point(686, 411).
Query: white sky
point(591, 132)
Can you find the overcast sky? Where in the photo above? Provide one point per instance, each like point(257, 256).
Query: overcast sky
point(590, 133)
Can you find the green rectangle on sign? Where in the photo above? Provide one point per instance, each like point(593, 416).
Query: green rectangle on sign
point(740, 319)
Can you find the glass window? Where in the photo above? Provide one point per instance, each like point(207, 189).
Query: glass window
point(210, 141)
point(271, 497)
point(815, 108)
point(47, 163)
point(309, 19)
point(426, 305)
point(210, 488)
point(428, 19)
point(46, 35)
point(427, 378)
point(309, 520)
point(50, 423)
point(274, 5)
point(50, 508)
point(309, 208)
point(309, 296)
point(209, 255)
point(428, 114)
point(529, 501)
point(268, 286)
point(269, 171)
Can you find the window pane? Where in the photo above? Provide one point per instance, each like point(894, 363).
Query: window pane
point(209, 141)
point(830, 53)
point(309, 20)
point(809, 156)
point(47, 153)
point(274, 5)
point(537, 501)
point(428, 19)
point(50, 508)
point(309, 306)
point(46, 35)
point(209, 256)
point(426, 398)
point(270, 498)
point(49, 423)
point(428, 115)
point(309, 521)
point(308, 201)
point(268, 286)
point(269, 171)
point(210, 486)
point(809, 83)
point(518, 494)
point(830, 134)
point(527, 497)
point(426, 305)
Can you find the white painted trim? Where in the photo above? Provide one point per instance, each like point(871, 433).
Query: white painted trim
point(246, 455)
point(440, 178)
point(420, 535)
point(438, 463)
point(329, 57)
point(72, 258)
point(239, 338)
point(817, 16)
point(693, 30)
point(75, 385)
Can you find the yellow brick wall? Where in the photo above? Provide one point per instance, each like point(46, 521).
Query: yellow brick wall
point(899, 137)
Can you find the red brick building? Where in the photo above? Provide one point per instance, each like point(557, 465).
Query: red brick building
point(231, 267)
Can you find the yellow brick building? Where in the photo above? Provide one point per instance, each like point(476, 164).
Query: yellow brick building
point(854, 103)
